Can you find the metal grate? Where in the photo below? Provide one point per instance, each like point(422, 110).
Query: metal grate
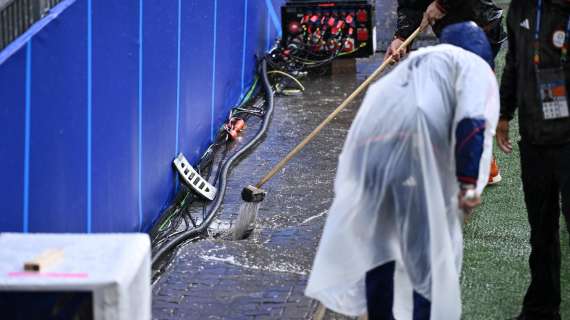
point(193, 178)
point(16, 16)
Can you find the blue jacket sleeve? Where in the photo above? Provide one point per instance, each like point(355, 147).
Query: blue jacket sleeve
point(470, 138)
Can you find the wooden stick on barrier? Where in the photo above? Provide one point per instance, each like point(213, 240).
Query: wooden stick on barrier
point(44, 260)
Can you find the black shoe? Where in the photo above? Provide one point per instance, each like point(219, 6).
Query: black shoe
point(522, 316)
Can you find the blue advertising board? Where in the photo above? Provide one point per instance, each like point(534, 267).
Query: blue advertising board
point(98, 97)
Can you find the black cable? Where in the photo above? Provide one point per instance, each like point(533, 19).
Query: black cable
point(169, 221)
point(186, 235)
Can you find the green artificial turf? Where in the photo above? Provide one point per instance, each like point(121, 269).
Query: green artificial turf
point(495, 268)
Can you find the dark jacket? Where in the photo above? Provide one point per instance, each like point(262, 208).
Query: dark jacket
point(484, 12)
point(519, 87)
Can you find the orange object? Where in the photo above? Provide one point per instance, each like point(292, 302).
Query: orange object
point(559, 91)
point(239, 125)
point(495, 173)
point(234, 127)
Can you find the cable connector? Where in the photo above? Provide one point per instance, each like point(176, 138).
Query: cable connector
point(234, 127)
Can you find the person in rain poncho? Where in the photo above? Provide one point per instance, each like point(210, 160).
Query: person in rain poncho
point(416, 154)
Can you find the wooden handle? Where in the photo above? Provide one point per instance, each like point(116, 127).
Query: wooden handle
point(343, 105)
point(44, 260)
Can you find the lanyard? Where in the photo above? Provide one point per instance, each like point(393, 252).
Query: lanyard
point(564, 54)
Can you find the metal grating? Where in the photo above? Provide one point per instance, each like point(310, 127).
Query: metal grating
point(193, 178)
point(16, 16)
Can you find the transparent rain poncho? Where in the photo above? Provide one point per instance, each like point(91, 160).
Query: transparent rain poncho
point(396, 188)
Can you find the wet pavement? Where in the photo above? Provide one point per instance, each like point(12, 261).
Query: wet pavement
point(264, 276)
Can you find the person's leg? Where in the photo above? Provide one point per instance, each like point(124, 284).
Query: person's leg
point(422, 307)
point(565, 186)
point(380, 292)
point(564, 173)
point(496, 38)
point(542, 299)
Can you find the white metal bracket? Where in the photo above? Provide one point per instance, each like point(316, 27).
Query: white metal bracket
point(193, 179)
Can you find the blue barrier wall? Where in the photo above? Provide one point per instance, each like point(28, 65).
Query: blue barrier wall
point(97, 98)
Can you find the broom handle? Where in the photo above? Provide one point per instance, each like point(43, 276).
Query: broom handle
point(343, 105)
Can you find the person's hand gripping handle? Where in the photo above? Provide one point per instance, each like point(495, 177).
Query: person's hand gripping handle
point(396, 50)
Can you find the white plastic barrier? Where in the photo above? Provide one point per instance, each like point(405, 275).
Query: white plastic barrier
point(113, 269)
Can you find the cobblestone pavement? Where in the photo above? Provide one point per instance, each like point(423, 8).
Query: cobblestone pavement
point(264, 276)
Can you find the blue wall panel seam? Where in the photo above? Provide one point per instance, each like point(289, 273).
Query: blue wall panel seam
point(244, 47)
point(178, 44)
point(27, 133)
point(213, 99)
point(274, 17)
point(178, 78)
point(140, 110)
point(89, 112)
point(267, 33)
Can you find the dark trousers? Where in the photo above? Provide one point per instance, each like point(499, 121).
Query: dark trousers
point(546, 183)
point(380, 295)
